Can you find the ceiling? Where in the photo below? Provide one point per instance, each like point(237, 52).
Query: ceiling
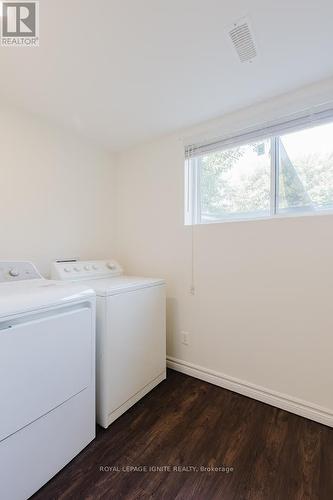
point(125, 71)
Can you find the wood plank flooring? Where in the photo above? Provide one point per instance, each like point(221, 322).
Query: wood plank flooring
point(184, 422)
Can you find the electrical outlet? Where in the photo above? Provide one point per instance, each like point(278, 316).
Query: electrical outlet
point(185, 338)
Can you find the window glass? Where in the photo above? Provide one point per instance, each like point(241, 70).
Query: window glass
point(235, 183)
point(285, 174)
point(306, 170)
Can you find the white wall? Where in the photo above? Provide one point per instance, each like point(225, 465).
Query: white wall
point(56, 193)
point(262, 311)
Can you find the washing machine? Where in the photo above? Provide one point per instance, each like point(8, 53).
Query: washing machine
point(131, 337)
point(47, 376)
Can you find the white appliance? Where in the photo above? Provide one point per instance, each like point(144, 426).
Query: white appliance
point(47, 377)
point(131, 341)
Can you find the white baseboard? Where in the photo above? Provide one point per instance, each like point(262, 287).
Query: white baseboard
point(283, 401)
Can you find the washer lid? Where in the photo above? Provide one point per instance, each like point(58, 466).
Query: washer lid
point(122, 284)
point(30, 295)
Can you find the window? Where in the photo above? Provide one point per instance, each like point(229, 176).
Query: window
point(281, 174)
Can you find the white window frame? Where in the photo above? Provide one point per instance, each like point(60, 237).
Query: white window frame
point(192, 169)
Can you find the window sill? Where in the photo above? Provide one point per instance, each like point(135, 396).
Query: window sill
point(263, 218)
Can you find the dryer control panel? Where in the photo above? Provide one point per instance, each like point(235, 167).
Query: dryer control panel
point(85, 269)
point(17, 271)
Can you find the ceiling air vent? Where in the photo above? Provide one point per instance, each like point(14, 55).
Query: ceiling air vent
point(242, 40)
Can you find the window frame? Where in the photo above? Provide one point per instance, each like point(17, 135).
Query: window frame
point(193, 192)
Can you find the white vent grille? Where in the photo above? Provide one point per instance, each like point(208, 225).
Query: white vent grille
point(241, 37)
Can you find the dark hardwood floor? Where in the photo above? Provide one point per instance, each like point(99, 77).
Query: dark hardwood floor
point(184, 422)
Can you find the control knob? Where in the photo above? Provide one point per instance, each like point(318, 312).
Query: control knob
point(14, 272)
